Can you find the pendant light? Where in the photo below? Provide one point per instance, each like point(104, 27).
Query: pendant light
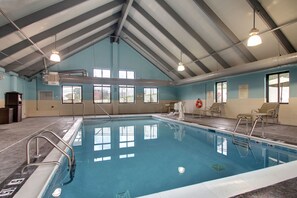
point(254, 38)
point(181, 66)
point(55, 57)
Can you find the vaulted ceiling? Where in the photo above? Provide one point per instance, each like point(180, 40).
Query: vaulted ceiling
point(207, 35)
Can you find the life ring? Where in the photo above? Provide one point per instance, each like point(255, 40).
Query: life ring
point(198, 103)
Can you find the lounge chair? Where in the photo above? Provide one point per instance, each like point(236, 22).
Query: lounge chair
point(268, 110)
point(215, 108)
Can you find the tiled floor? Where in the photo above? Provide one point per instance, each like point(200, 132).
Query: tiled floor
point(272, 131)
point(13, 138)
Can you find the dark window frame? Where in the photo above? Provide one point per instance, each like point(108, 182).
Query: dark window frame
point(278, 90)
point(81, 96)
point(150, 95)
point(102, 85)
point(127, 86)
point(216, 91)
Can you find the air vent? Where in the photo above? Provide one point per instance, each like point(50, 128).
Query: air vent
point(52, 78)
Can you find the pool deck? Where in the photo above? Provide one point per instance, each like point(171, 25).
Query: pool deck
point(13, 138)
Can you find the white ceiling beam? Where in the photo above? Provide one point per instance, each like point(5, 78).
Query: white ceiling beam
point(125, 11)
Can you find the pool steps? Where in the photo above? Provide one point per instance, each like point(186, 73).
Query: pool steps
point(71, 160)
point(247, 117)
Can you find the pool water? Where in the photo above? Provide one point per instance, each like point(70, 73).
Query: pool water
point(130, 158)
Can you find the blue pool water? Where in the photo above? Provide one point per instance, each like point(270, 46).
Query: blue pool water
point(144, 156)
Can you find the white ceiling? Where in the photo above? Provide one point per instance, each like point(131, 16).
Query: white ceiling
point(209, 40)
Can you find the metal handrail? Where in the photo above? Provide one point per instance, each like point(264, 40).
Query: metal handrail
point(83, 109)
point(52, 143)
point(237, 124)
point(72, 111)
point(253, 127)
point(63, 141)
point(103, 110)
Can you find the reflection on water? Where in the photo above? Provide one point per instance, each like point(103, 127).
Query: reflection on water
point(150, 131)
point(126, 137)
point(179, 133)
point(222, 145)
point(126, 134)
point(78, 139)
point(121, 156)
point(102, 138)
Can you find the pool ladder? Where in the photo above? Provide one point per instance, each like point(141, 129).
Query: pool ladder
point(71, 160)
point(245, 142)
point(82, 110)
point(253, 127)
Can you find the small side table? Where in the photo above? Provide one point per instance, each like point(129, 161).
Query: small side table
point(6, 115)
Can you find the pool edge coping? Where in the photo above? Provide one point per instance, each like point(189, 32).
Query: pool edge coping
point(43, 175)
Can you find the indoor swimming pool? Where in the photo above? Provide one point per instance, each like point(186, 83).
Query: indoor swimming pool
point(145, 155)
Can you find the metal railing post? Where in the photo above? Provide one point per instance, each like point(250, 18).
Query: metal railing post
point(53, 144)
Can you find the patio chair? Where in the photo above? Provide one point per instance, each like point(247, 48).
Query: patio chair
point(268, 110)
point(215, 108)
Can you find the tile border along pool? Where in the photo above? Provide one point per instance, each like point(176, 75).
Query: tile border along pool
point(224, 187)
point(42, 176)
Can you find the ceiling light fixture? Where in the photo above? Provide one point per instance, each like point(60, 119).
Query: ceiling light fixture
point(181, 66)
point(55, 54)
point(254, 38)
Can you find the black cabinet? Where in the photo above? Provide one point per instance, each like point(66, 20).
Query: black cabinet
point(14, 100)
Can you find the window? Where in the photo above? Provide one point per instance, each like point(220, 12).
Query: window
point(278, 87)
point(71, 94)
point(150, 95)
point(102, 139)
point(126, 92)
point(126, 74)
point(126, 134)
point(101, 73)
point(102, 92)
point(221, 92)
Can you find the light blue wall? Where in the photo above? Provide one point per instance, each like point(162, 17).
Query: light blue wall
point(113, 56)
point(129, 59)
point(121, 56)
point(12, 83)
point(31, 90)
point(192, 91)
point(256, 82)
point(4, 85)
point(96, 56)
